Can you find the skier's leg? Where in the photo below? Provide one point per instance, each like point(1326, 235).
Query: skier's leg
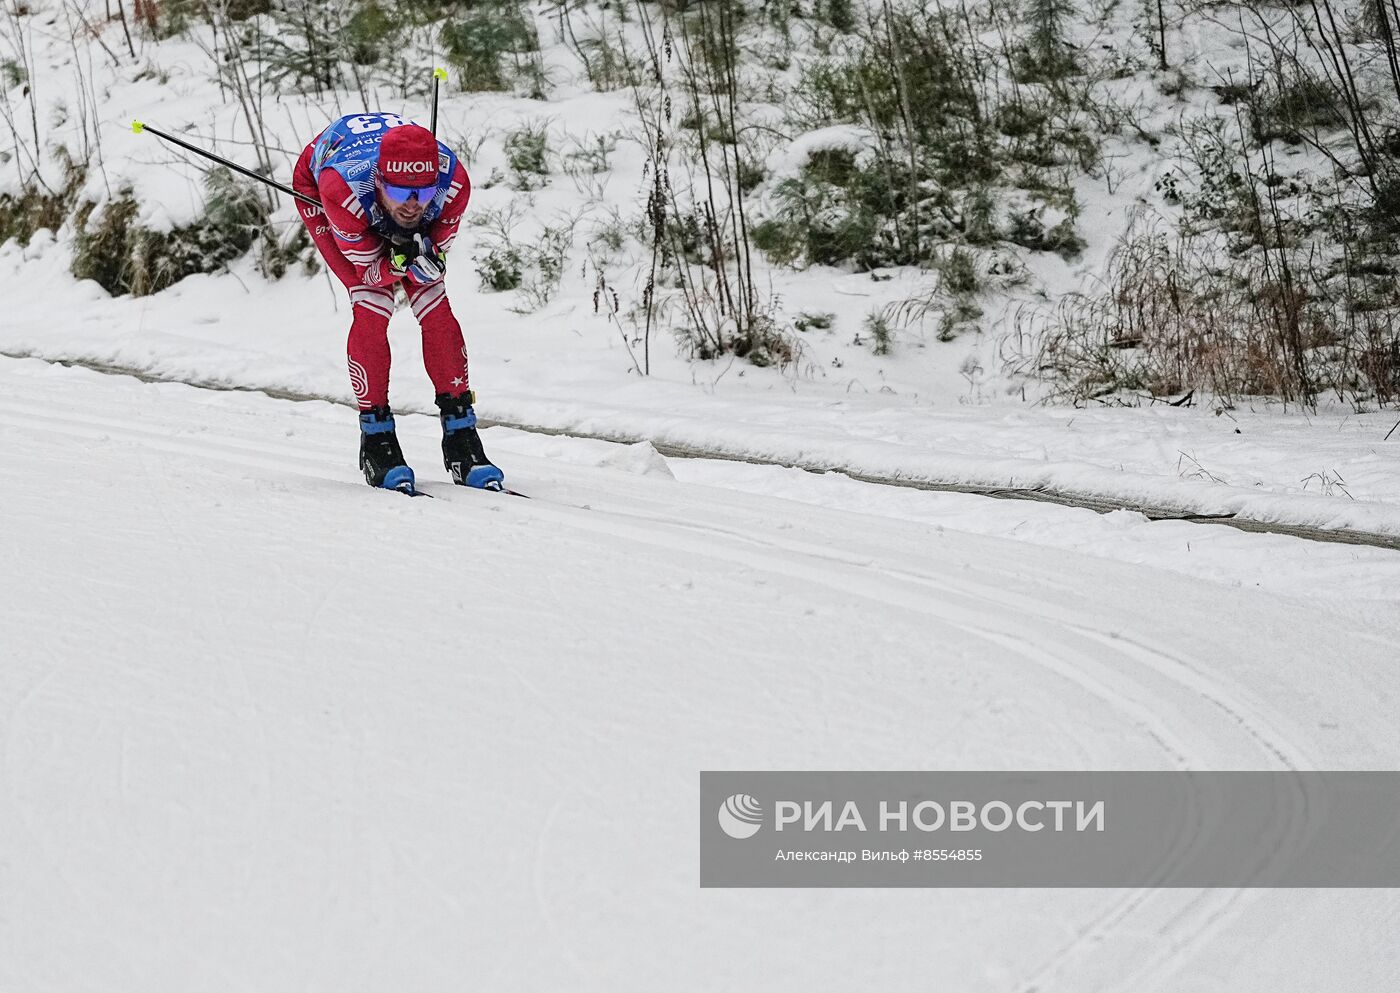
point(381, 459)
point(367, 350)
point(368, 346)
point(370, 308)
point(445, 357)
point(444, 352)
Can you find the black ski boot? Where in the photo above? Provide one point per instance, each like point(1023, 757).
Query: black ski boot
point(381, 459)
point(462, 454)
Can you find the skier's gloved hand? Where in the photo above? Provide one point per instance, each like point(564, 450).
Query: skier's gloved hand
point(426, 269)
point(426, 246)
point(402, 254)
point(428, 263)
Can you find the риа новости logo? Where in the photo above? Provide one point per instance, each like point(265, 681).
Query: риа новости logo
point(741, 816)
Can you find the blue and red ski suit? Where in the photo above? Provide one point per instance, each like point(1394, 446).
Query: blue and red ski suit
point(355, 235)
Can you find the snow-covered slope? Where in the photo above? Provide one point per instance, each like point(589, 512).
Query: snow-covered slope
point(929, 409)
point(262, 728)
point(1332, 470)
point(265, 728)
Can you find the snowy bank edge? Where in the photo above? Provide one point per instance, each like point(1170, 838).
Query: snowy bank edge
point(885, 463)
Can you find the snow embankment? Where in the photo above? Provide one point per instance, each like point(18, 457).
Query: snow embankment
point(1333, 471)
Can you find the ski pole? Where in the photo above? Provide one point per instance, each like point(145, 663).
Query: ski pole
point(439, 75)
point(138, 127)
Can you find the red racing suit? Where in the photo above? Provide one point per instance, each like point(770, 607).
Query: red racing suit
point(353, 234)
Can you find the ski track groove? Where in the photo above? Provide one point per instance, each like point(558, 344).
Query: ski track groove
point(253, 454)
point(1206, 911)
point(1217, 906)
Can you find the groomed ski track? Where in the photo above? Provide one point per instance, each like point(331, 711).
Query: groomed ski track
point(265, 728)
point(1099, 503)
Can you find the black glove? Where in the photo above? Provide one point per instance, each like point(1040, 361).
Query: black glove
point(420, 260)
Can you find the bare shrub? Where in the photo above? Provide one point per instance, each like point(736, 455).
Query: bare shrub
point(1178, 316)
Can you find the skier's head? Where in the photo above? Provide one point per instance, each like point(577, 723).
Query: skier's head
point(408, 172)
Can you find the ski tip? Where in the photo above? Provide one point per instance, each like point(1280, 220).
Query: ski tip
point(137, 127)
point(440, 74)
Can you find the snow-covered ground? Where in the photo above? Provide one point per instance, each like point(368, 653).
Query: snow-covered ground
point(928, 410)
point(1333, 470)
point(267, 729)
point(262, 728)
point(937, 411)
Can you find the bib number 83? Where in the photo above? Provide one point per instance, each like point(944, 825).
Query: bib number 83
point(368, 124)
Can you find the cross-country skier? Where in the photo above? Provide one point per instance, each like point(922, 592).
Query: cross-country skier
point(392, 197)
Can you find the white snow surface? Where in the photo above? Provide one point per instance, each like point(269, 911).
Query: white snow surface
point(929, 410)
point(567, 372)
point(266, 729)
point(262, 728)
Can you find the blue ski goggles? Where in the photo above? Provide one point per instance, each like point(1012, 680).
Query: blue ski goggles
point(403, 194)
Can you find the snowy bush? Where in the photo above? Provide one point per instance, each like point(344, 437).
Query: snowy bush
point(123, 257)
point(38, 205)
point(527, 150)
point(939, 132)
point(877, 327)
point(1293, 104)
point(500, 268)
point(493, 45)
point(1180, 319)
